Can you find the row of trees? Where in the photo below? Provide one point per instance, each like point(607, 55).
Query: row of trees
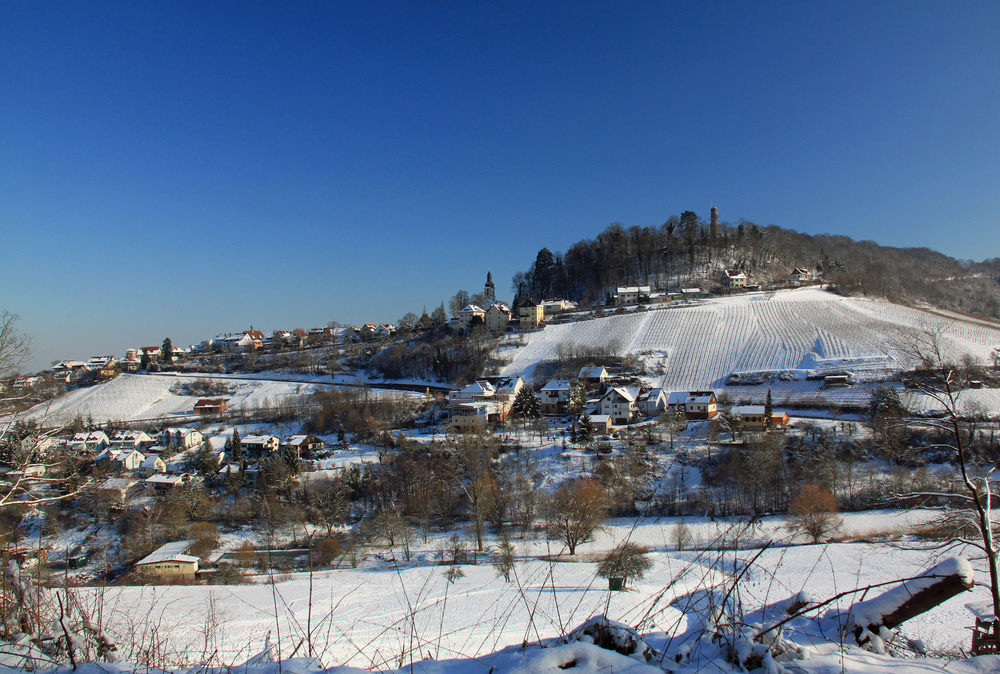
point(683, 250)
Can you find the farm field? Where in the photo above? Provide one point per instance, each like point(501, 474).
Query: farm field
point(789, 334)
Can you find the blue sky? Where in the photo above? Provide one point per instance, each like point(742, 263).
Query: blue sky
point(184, 169)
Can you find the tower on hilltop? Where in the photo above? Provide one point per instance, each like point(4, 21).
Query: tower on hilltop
point(713, 225)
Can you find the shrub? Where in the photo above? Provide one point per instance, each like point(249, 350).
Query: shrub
point(630, 561)
point(814, 513)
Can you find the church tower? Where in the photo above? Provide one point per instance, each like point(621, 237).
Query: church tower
point(489, 292)
point(713, 226)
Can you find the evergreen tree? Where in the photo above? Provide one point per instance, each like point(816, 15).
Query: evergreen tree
point(206, 459)
point(768, 410)
point(586, 431)
point(144, 361)
point(236, 448)
point(526, 404)
point(167, 351)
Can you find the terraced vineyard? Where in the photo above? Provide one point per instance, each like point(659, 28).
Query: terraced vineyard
point(786, 337)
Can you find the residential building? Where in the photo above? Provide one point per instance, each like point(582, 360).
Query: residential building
point(593, 375)
point(530, 314)
point(498, 317)
point(304, 446)
point(619, 403)
point(701, 405)
point(169, 561)
point(260, 446)
point(181, 438)
point(734, 278)
point(555, 397)
point(631, 295)
point(210, 406)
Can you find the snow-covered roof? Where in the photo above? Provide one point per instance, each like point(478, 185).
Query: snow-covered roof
point(169, 552)
point(258, 439)
point(592, 372)
point(557, 385)
point(748, 410)
point(628, 393)
point(677, 397)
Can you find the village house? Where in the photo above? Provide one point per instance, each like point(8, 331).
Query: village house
point(169, 562)
point(91, 442)
point(325, 335)
point(651, 401)
point(210, 406)
point(161, 484)
point(152, 465)
point(115, 491)
point(131, 440)
point(593, 375)
point(181, 438)
point(469, 315)
point(385, 331)
point(530, 314)
point(555, 397)
point(619, 404)
point(260, 446)
point(734, 278)
point(303, 446)
point(558, 305)
point(631, 295)
point(755, 416)
point(498, 317)
point(800, 275)
point(120, 459)
point(701, 405)
point(473, 417)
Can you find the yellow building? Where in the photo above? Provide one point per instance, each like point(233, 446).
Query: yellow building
point(531, 314)
point(169, 561)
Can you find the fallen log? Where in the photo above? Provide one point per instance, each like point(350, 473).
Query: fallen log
point(870, 620)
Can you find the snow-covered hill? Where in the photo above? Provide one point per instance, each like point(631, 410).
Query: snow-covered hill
point(784, 336)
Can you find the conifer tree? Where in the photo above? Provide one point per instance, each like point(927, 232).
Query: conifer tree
point(768, 410)
point(235, 447)
point(167, 351)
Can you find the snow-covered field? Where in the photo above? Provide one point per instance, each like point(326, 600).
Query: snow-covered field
point(135, 397)
point(388, 611)
point(787, 335)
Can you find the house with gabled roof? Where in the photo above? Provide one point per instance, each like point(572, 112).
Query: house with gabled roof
point(734, 278)
point(258, 446)
point(651, 401)
point(618, 402)
point(555, 397)
point(210, 406)
point(131, 440)
point(701, 405)
point(800, 275)
point(181, 438)
point(169, 561)
point(303, 446)
point(498, 317)
point(631, 295)
point(89, 441)
point(593, 375)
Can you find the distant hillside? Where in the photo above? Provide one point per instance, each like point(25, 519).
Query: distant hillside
point(686, 251)
point(746, 344)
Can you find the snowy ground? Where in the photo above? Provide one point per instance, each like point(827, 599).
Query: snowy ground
point(140, 397)
point(388, 611)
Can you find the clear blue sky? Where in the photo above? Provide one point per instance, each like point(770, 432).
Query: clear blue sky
point(184, 169)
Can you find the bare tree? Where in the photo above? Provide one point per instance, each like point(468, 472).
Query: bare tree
point(814, 513)
point(576, 510)
point(943, 380)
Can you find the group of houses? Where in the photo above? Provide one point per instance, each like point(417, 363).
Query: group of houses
point(497, 317)
point(489, 401)
point(134, 461)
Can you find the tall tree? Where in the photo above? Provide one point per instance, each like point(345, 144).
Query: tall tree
point(167, 351)
point(768, 410)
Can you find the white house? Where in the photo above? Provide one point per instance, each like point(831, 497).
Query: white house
point(257, 446)
point(181, 438)
point(631, 295)
point(555, 396)
point(619, 403)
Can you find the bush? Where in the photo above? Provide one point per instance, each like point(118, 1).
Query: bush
point(630, 561)
point(814, 513)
